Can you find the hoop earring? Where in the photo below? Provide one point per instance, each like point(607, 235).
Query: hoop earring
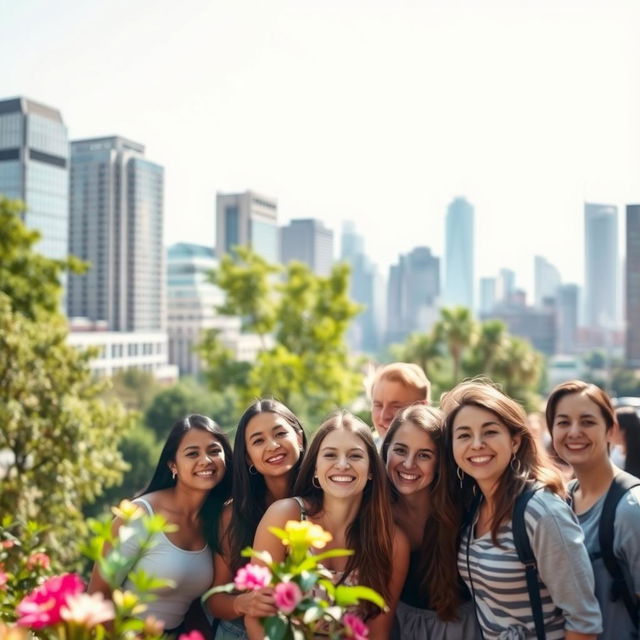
point(252, 470)
point(517, 467)
point(460, 474)
point(315, 482)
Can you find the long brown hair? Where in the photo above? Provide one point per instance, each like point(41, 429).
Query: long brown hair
point(370, 535)
point(531, 464)
point(439, 572)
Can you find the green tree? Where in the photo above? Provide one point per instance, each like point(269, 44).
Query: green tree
point(457, 329)
point(58, 438)
point(135, 388)
point(302, 320)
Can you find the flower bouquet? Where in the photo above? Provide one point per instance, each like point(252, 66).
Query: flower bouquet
point(307, 600)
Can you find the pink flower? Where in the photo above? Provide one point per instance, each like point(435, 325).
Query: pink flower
point(41, 607)
point(87, 610)
point(355, 628)
point(286, 596)
point(192, 635)
point(38, 559)
point(3, 580)
point(252, 577)
point(7, 544)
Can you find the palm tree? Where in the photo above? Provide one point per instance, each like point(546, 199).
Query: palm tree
point(488, 349)
point(424, 350)
point(457, 329)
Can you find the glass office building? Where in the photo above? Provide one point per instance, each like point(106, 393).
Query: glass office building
point(34, 167)
point(116, 224)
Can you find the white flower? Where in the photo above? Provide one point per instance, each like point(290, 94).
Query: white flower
point(87, 610)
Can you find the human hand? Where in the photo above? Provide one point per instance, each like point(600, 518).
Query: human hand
point(257, 604)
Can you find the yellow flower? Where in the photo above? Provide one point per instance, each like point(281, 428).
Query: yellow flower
point(128, 601)
point(126, 510)
point(304, 534)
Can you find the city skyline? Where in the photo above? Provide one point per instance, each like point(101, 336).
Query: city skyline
point(430, 101)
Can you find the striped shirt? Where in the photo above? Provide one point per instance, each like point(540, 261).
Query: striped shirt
point(496, 577)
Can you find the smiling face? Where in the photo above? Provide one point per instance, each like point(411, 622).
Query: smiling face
point(580, 435)
point(411, 460)
point(273, 445)
point(199, 461)
point(482, 445)
point(342, 466)
point(389, 396)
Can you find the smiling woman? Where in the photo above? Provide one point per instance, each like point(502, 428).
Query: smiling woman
point(490, 453)
point(342, 487)
point(190, 485)
point(268, 451)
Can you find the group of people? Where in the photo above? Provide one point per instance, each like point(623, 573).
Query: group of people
point(457, 516)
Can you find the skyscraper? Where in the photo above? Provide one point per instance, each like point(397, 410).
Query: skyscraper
point(601, 265)
point(459, 254)
point(364, 331)
point(308, 240)
point(116, 223)
point(34, 158)
point(632, 350)
point(567, 318)
point(413, 291)
point(546, 280)
point(247, 219)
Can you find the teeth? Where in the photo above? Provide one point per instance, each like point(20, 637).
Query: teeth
point(341, 478)
point(480, 459)
point(277, 458)
point(577, 447)
point(204, 473)
point(407, 476)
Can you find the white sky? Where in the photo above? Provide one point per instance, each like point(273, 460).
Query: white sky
point(379, 111)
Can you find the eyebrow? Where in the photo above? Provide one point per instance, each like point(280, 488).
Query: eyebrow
point(196, 447)
point(489, 423)
point(348, 450)
point(406, 446)
point(582, 415)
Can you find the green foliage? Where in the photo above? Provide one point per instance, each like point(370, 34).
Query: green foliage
point(135, 388)
point(185, 397)
point(140, 451)
point(302, 320)
point(458, 347)
point(58, 437)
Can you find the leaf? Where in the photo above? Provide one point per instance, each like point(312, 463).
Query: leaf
point(312, 614)
point(307, 580)
point(224, 588)
point(275, 628)
point(347, 596)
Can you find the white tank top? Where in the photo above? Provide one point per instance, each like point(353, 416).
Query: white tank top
point(190, 571)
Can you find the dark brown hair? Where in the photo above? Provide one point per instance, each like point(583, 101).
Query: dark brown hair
point(532, 464)
point(630, 429)
point(439, 572)
point(370, 535)
point(249, 490)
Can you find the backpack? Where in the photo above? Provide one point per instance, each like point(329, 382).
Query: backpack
point(622, 482)
point(524, 550)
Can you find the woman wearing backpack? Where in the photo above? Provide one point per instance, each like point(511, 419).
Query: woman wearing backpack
point(491, 455)
point(581, 420)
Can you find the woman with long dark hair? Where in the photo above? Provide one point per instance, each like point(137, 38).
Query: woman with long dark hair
point(546, 591)
point(190, 485)
point(268, 451)
point(430, 605)
point(342, 486)
point(582, 420)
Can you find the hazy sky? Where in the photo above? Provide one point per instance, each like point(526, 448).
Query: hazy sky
point(375, 111)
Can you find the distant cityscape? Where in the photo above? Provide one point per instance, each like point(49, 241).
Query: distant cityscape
point(145, 306)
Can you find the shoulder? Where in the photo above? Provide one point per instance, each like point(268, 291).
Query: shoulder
point(401, 544)
point(628, 510)
point(546, 507)
point(281, 511)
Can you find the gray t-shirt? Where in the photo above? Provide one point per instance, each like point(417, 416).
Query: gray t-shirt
point(626, 548)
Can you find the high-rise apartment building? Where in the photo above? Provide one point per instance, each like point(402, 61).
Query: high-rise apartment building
point(247, 219)
point(506, 287)
point(487, 295)
point(601, 265)
point(459, 254)
point(116, 224)
point(413, 291)
point(632, 311)
point(308, 240)
point(34, 167)
point(546, 280)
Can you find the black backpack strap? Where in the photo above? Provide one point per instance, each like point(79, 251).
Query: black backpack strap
point(525, 554)
point(621, 483)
